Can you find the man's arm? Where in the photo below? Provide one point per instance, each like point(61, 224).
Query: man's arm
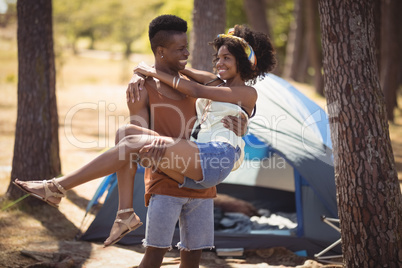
point(139, 110)
point(239, 125)
point(139, 116)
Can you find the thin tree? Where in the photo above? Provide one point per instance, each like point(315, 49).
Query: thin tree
point(36, 148)
point(209, 19)
point(369, 197)
point(314, 48)
point(297, 56)
point(294, 44)
point(256, 15)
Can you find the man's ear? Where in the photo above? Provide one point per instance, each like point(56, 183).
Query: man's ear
point(160, 52)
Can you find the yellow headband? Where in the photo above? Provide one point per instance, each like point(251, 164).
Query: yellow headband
point(247, 48)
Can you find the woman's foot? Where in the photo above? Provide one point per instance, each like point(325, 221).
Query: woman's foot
point(49, 191)
point(126, 221)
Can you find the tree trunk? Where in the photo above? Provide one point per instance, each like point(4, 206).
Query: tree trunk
point(36, 148)
point(377, 27)
point(256, 15)
point(400, 54)
point(292, 50)
point(296, 66)
point(390, 50)
point(209, 19)
point(127, 51)
point(369, 197)
point(314, 48)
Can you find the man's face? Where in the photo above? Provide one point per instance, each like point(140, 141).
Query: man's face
point(175, 55)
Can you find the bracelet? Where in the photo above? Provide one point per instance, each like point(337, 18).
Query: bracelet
point(176, 82)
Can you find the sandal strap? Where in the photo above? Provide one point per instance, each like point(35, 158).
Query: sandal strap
point(50, 193)
point(127, 221)
point(59, 187)
point(125, 210)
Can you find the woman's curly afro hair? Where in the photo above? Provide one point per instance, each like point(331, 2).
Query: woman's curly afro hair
point(261, 45)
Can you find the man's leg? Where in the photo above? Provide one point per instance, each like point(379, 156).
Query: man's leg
point(162, 216)
point(196, 231)
point(190, 259)
point(153, 257)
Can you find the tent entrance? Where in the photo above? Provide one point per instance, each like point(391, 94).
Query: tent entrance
point(243, 209)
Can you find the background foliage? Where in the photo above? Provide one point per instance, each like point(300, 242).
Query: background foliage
point(121, 25)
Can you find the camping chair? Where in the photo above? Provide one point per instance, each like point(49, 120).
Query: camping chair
point(318, 256)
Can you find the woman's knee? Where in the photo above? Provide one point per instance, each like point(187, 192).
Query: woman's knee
point(128, 130)
point(120, 134)
point(133, 143)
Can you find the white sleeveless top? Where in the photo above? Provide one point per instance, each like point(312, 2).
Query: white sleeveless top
point(209, 116)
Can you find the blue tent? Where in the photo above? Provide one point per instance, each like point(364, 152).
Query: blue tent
point(288, 161)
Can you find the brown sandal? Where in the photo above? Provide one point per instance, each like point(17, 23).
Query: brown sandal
point(48, 192)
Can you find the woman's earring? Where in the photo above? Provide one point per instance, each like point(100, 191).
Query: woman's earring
point(162, 57)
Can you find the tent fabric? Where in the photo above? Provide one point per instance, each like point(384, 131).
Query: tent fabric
point(283, 123)
point(287, 149)
point(100, 227)
point(313, 115)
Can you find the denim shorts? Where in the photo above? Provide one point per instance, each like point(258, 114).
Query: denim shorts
point(196, 222)
point(217, 160)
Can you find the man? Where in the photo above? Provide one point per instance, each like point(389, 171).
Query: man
point(170, 113)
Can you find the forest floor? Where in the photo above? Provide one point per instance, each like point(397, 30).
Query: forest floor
point(91, 106)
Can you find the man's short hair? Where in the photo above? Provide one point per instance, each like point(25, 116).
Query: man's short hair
point(162, 27)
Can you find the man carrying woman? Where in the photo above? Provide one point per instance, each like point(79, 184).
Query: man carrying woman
point(242, 55)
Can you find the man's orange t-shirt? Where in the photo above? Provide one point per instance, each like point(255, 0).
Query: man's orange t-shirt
point(172, 118)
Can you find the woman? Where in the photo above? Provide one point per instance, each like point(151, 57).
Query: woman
point(242, 55)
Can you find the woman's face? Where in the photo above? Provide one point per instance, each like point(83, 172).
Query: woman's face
point(226, 64)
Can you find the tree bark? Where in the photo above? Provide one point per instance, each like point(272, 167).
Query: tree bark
point(209, 20)
point(400, 54)
point(36, 148)
point(256, 15)
point(369, 196)
point(377, 27)
point(390, 50)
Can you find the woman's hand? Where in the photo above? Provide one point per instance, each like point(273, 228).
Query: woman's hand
point(145, 69)
point(134, 86)
point(237, 124)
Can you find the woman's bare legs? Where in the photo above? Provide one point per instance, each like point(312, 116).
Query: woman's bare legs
point(107, 163)
point(180, 159)
point(125, 175)
point(181, 156)
point(125, 184)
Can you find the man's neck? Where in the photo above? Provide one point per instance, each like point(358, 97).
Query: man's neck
point(165, 68)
